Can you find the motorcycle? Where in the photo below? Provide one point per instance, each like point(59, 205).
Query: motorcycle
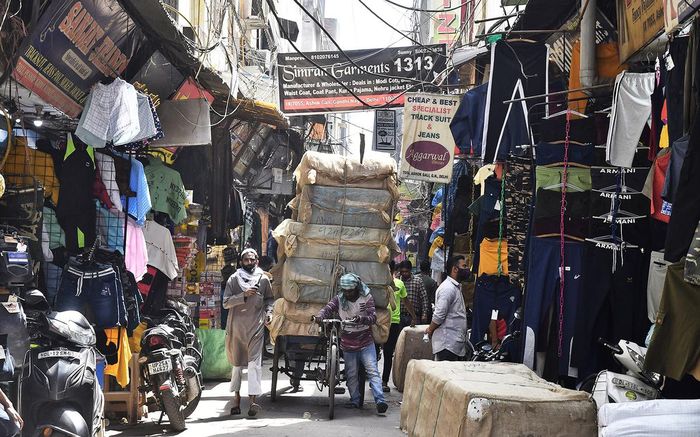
point(484, 351)
point(59, 394)
point(170, 359)
point(635, 385)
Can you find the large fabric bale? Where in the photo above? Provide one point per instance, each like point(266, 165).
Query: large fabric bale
point(490, 399)
point(311, 280)
point(347, 206)
point(289, 318)
point(377, 171)
point(409, 346)
point(299, 240)
point(215, 364)
point(672, 417)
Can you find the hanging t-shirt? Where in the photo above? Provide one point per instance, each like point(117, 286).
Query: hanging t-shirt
point(166, 190)
point(108, 174)
point(23, 163)
point(161, 250)
point(139, 205)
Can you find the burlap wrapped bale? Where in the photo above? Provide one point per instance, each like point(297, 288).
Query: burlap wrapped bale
point(299, 240)
point(310, 280)
point(377, 171)
point(380, 330)
point(347, 206)
point(409, 346)
point(490, 399)
point(289, 318)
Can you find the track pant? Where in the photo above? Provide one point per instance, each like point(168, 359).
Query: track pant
point(518, 200)
point(492, 293)
point(254, 377)
point(389, 348)
point(543, 296)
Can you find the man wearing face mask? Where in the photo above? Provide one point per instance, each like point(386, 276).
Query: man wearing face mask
point(354, 303)
point(248, 297)
point(448, 329)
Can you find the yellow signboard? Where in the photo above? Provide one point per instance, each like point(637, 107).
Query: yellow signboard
point(638, 22)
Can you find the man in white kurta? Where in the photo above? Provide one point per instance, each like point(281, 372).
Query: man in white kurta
point(248, 297)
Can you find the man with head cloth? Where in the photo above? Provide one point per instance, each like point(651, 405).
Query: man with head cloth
point(354, 304)
point(248, 297)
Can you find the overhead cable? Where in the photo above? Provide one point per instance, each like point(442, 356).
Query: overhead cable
point(410, 8)
point(335, 43)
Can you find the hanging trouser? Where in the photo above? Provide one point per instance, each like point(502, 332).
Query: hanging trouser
point(518, 69)
point(630, 111)
point(613, 306)
point(543, 295)
point(493, 293)
point(519, 182)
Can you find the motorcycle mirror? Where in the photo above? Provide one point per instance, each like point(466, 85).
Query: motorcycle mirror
point(36, 300)
point(518, 314)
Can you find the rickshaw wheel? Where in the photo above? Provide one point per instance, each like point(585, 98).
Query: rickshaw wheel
point(332, 379)
point(275, 371)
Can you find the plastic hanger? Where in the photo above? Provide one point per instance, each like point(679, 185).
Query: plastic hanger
point(560, 185)
point(566, 111)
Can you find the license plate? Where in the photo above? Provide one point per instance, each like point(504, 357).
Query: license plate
point(58, 354)
point(160, 366)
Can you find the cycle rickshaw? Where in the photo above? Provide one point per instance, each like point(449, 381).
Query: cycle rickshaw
point(322, 358)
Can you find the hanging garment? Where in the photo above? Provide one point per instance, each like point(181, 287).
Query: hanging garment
point(660, 209)
point(655, 283)
point(518, 69)
point(119, 340)
point(148, 117)
point(166, 190)
point(607, 67)
point(467, 126)
point(544, 294)
point(518, 204)
point(675, 349)
point(139, 205)
point(111, 113)
point(76, 210)
point(613, 307)
point(108, 174)
point(161, 250)
point(24, 164)
point(679, 149)
point(630, 111)
point(553, 154)
point(493, 293)
point(582, 131)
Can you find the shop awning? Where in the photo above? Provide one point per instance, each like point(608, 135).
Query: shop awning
point(545, 15)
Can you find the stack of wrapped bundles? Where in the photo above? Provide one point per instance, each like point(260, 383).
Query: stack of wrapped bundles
point(341, 223)
point(490, 399)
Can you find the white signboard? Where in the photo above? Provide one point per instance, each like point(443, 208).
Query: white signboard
point(384, 130)
point(428, 148)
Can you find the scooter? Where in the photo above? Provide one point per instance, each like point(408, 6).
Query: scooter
point(59, 394)
point(170, 368)
point(635, 385)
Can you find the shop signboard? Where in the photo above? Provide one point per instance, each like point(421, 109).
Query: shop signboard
point(677, 11)
point(638, 22)
point(379, 77)
point(385, 130)
point(428, 147)
point(74, 45)
point(446, 24)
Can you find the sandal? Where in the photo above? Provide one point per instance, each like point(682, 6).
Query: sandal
point(235, 411)
point(254, 410)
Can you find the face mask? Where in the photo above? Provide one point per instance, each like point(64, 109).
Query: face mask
point(405, 276)
point(249, 267)
point(351, 295)
point(462, 275)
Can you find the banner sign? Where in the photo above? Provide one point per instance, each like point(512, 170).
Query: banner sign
point(447, 25)
point(428, 147)
point(677, 11)
point(638, 22)
point(385, 130)
point(74, 45)
point(377, 76)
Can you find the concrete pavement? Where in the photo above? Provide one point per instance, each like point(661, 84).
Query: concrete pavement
point(285, 417)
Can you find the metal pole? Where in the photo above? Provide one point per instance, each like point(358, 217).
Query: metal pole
point(539, 96)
